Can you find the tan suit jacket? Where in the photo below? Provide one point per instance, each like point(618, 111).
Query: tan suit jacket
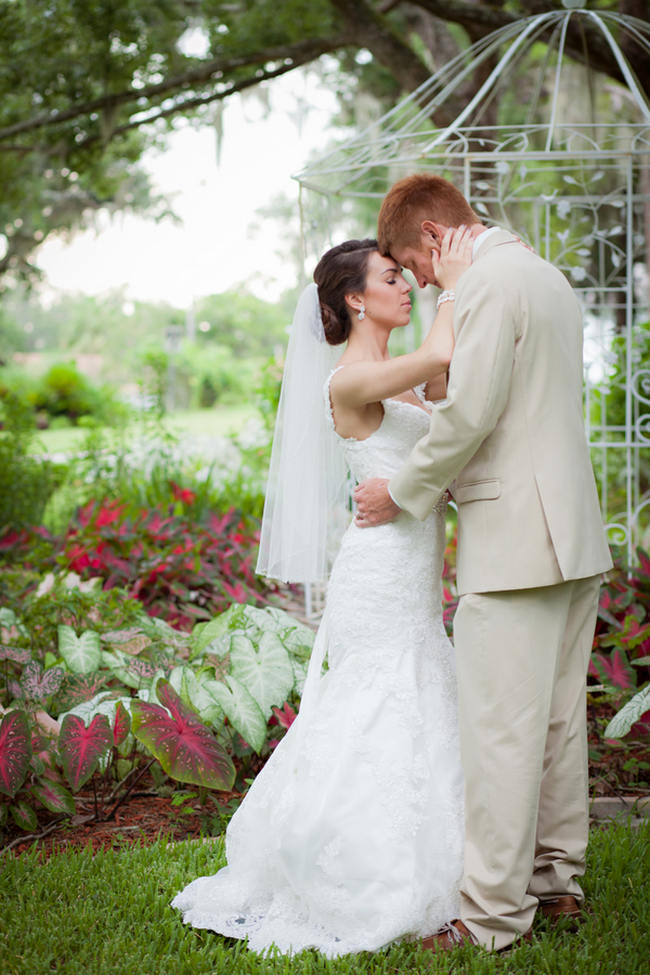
point(510, 439)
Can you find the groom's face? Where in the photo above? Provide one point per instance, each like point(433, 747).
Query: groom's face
point(418, 262)
point(418, 259)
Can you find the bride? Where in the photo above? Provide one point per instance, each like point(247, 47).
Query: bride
point(351, 836)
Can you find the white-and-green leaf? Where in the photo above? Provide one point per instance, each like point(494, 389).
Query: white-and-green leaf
point(629, 714)
point(147, 691)
point(214, 637)
point(242, 711)
point(119, 664)
point(199, 687)
point(298, 640)
point(102, 703)
point(264, 669)
point(166, 638)
point(82, 654)
point(194, 688)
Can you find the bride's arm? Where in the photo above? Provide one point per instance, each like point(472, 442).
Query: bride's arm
point(368, 382)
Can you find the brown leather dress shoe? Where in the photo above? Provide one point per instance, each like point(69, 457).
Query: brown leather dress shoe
point(450, 936)
point(563, 906)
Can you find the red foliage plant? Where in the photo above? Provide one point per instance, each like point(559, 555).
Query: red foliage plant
point(181, 569)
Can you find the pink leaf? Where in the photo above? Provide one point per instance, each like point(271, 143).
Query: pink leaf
point(38, 684)
point(15, 751)
point(285, 716)
point(18, 654)
point(24, 816)
point(54, 797)
point(613, 669)
point(121, 724)
point(81, 748)
point(78, 688)
point(184, 746)
point(644, 560)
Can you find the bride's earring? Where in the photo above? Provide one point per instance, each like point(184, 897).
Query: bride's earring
point(362, 313)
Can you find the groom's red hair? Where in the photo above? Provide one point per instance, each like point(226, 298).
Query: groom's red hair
point(413, 199)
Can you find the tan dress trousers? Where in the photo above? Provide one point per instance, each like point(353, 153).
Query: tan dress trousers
point(522, 659)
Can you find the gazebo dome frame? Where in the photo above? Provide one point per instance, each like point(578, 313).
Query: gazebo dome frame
point(578, 191)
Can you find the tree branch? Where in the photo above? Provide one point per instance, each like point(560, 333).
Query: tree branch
point(369, 29)
point(363, 25)
point(190, 104)
point(470, 15)
point(299, 53)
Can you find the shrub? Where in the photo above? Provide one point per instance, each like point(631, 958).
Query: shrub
point(64, 391)
point(26, 482)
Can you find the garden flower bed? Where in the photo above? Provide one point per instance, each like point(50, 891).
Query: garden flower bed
point(140, 625)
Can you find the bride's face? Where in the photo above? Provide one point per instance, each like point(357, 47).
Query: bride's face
point(386, 297)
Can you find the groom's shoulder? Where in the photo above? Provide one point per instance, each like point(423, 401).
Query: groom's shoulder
point(506, 269)
point(504, 254)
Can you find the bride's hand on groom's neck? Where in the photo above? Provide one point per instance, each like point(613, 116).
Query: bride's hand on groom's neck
point(453, 257)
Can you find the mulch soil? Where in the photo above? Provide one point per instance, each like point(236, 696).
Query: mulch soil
point(144, 817)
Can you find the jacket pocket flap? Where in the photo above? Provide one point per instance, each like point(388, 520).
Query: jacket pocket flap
point(478, 490)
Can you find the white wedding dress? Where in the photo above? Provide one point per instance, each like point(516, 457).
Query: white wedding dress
point(351, 836)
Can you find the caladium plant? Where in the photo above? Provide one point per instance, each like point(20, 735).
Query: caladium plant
point(23, 815)
point(613, 670)
point(101, 685)
point(38, 684)
point(82, 653)
point(285, 716)
point(121, 724)
point(635, 710)
point(264, 669)
point(81, 748)
point(15, 751)
point(19, 655)
point(27, 772)
point(242, 710)
point(54, 796)
point(196, 688)
point(184, 746)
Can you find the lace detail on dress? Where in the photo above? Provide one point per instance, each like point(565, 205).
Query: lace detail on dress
point(327, 398)
point(420, 392)
point(351, 836)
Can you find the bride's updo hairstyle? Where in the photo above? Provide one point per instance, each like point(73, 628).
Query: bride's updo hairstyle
point(341, 271)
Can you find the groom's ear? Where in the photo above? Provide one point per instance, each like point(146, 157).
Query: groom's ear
point(432, 233)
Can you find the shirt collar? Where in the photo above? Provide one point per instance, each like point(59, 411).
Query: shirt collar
point(483, 236)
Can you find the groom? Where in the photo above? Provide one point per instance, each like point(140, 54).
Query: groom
point(509, 442)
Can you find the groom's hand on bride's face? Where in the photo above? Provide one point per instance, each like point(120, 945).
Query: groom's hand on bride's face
point(374, 504)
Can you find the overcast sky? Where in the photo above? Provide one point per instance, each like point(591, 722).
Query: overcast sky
point(221, 242)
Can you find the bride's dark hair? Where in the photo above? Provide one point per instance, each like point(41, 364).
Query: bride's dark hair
point(340, 271)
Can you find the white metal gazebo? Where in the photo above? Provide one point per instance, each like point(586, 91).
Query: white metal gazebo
point(561, 155)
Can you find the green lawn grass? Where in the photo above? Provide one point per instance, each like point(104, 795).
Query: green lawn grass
point(219, 422)
point(109, 914)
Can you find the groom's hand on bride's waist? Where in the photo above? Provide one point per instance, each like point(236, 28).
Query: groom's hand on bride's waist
point(374, 504)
